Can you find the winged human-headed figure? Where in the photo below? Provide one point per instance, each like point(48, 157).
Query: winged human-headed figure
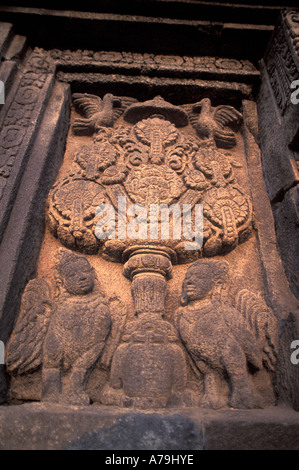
point(223, 338)
point(65, 335)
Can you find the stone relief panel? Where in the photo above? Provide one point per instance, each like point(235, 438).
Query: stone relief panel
point(63, 333)
point(125, 340)
point(149, 158)
point(225, 339)
point(18, 124)
point(151, 63)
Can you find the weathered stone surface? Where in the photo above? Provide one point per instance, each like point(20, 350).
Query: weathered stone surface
point(241, 334)
point(278, 124)
point(225, 69)
point(217, 37)
point(271, 429)
point(48, 427)
point(126, 316)
point(286, 213)
point(155, 152)
point(151, 152)
point(22, 235)
point(6, 35)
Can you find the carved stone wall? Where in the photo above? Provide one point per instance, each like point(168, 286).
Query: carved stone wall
point(279, 142)
point(99, 305)
point(151, 153)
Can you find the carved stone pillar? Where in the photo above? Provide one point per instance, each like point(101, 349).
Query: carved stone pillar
point(148, 369)
point(148, 270)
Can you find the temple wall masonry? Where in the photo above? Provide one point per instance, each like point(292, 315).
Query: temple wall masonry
point(149, 227)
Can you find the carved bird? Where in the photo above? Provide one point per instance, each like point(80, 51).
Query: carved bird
point(98, 112)
point(210, 123)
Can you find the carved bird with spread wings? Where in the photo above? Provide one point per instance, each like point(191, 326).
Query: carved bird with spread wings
point(210, 123)
point(98, 112)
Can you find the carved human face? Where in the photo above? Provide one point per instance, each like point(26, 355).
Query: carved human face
point(78, 277)
point(198, 283)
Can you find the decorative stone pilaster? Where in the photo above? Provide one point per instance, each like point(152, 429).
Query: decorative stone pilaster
point(148, 368)
point(148, 270)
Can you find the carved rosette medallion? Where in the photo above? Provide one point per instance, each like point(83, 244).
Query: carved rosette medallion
point(153, 185)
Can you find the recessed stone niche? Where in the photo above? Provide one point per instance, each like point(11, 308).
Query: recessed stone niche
point(141, 276)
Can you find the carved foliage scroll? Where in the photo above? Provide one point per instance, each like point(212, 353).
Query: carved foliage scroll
point(156, 153)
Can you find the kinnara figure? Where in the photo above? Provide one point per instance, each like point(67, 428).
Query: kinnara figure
point(66, 335)
point(77, 331)
point(222, 339)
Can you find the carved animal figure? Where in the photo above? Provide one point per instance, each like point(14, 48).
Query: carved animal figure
point(210, 123)
point(66, 336)
point(220, 339)
point(98, 112)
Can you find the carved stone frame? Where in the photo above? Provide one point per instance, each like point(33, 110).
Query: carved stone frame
point(43, 86)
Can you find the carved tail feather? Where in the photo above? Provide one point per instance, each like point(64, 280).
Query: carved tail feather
point(24, 349)
point(262, 322)
point(83, 126)
point(224, 138)
point(243, 334)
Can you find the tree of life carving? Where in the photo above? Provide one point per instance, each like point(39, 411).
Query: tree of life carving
point(147, 158)
point(147, 153)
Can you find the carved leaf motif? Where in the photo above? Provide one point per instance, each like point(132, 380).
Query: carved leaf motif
point(91, 195)
point(157, 134)
point(195, 179)
point(148, 159)
point(150, 185)
point(96, 158)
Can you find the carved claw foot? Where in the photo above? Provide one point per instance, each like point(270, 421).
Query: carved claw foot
point(210, 400)
point(74, 393)
point(75, 398)
point(245, 399)
point(51, 388)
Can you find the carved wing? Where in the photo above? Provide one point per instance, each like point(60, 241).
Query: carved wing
point(226, 116)
point(87, 104)
point(193, 117)
point(118, 312)
point(120, 104)
point(262, 323)
point(24, 349)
